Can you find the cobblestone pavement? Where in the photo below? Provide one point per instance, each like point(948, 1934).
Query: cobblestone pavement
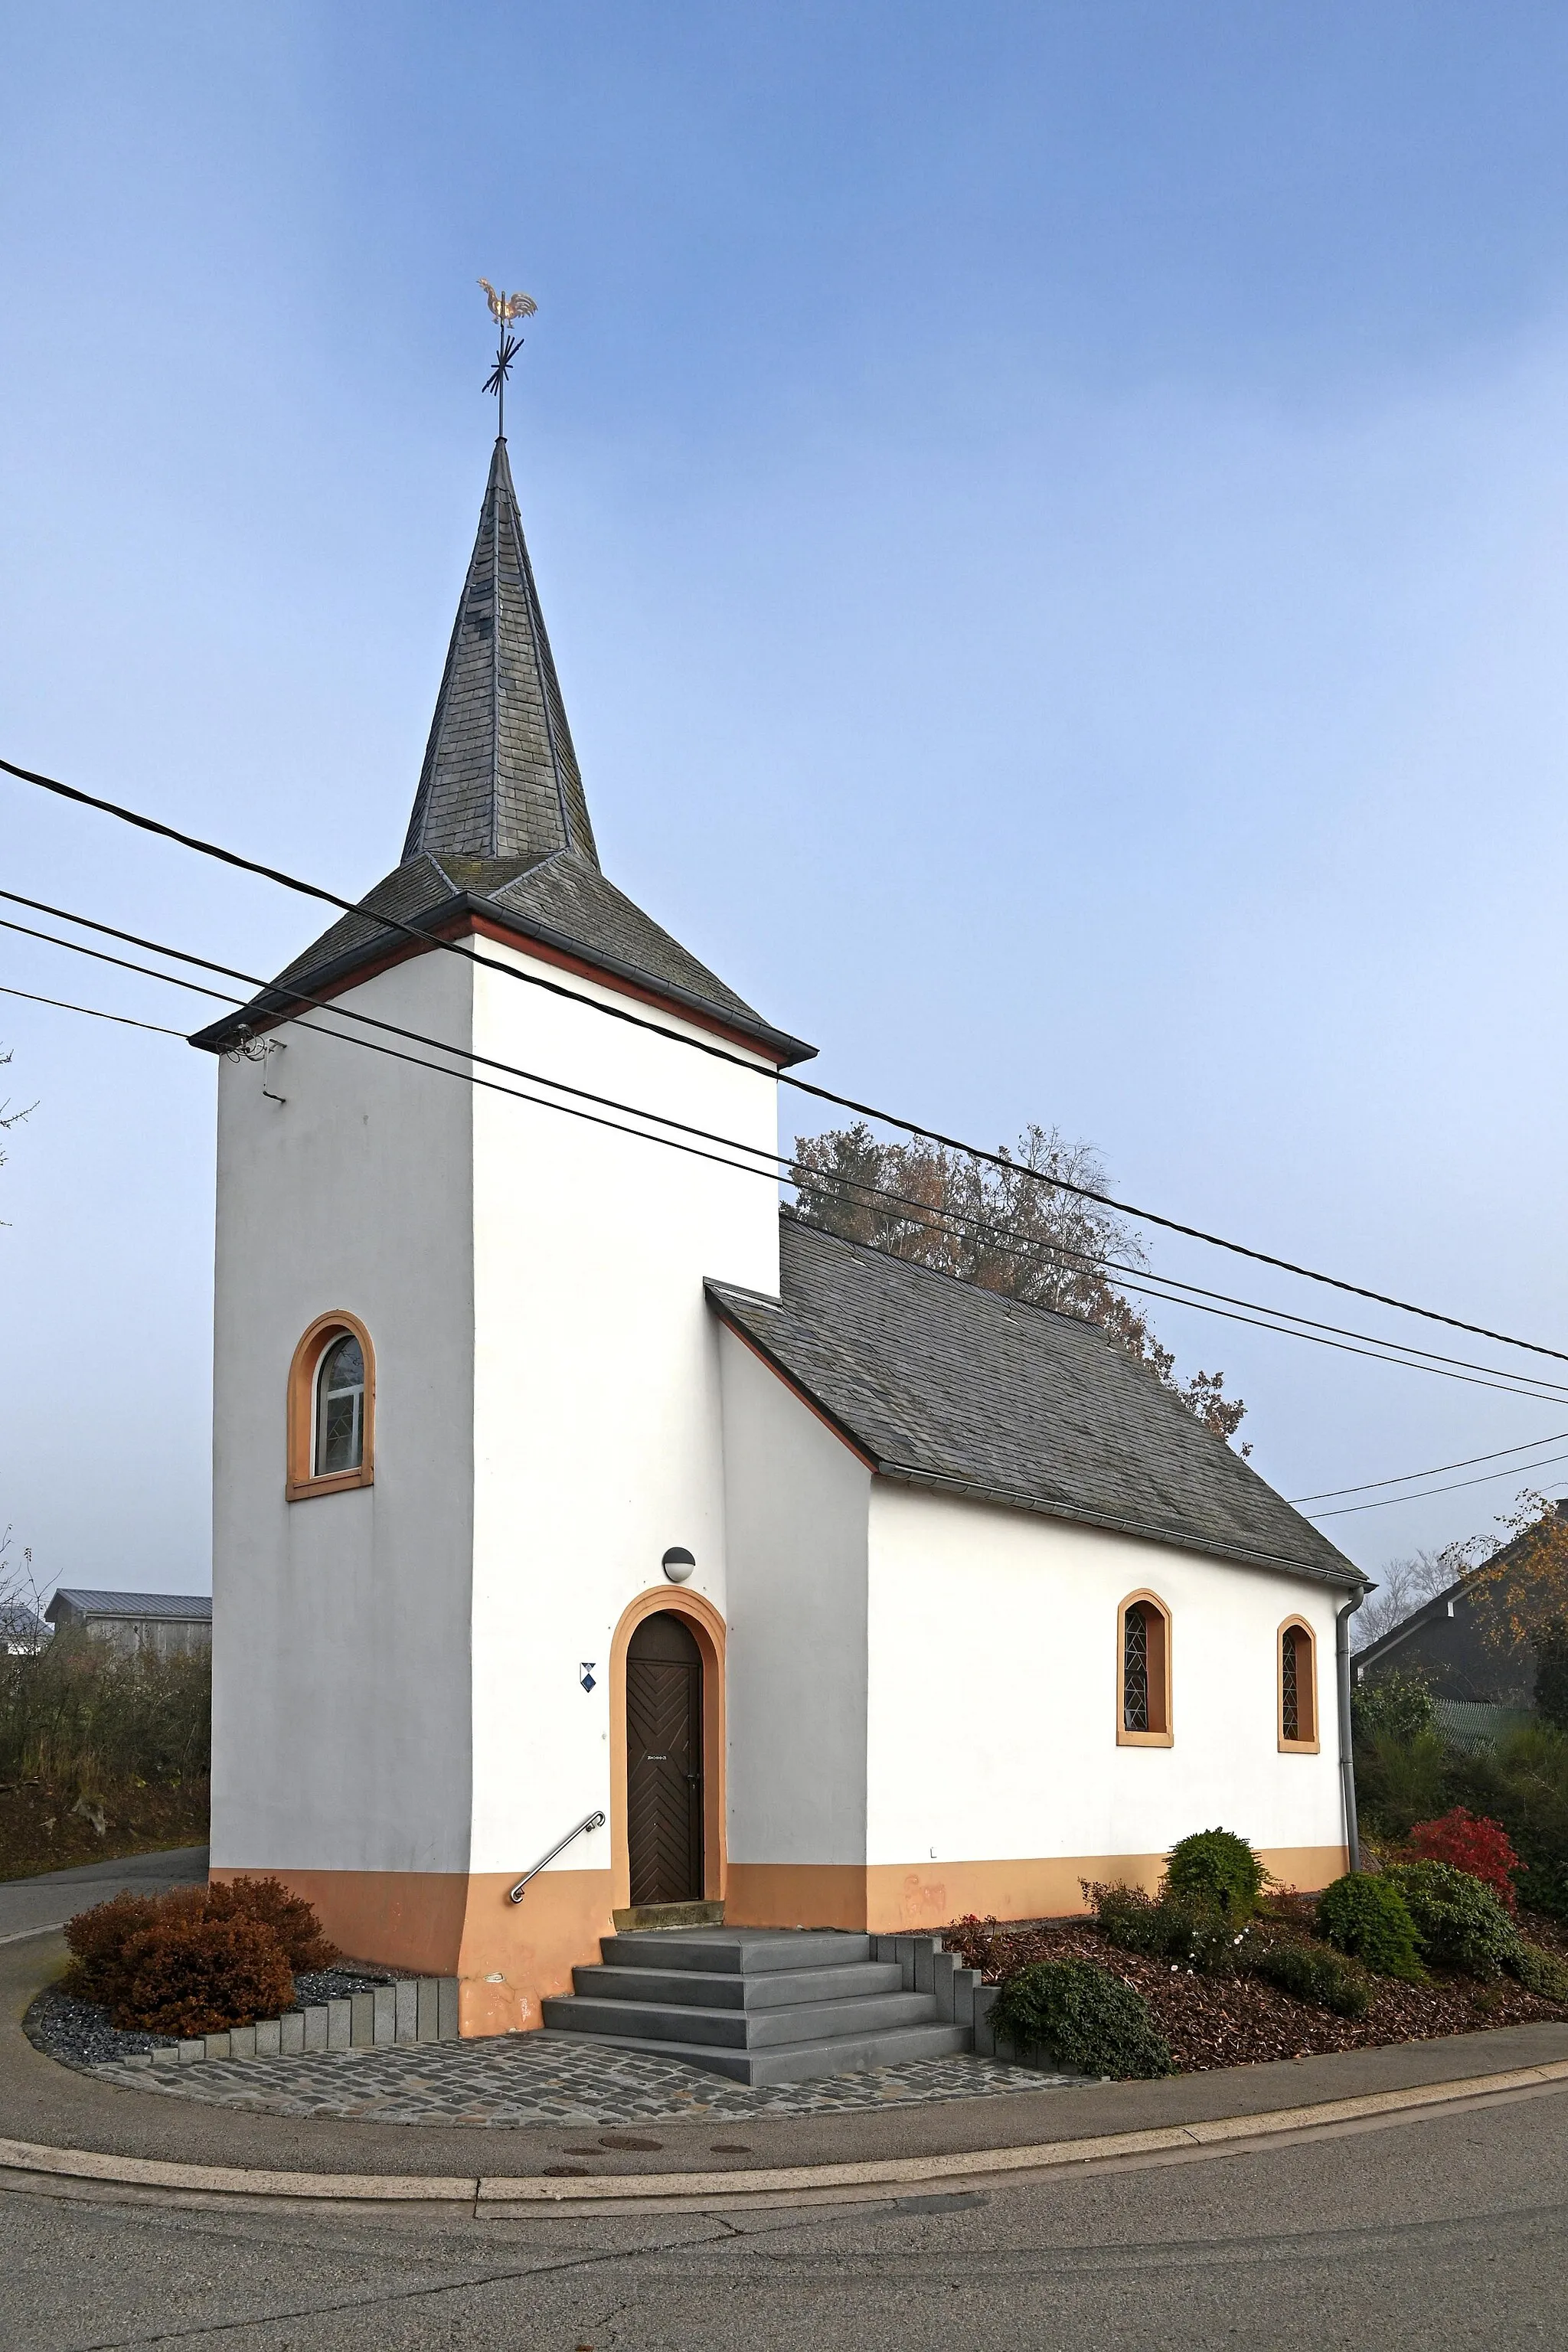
point(532, 2080)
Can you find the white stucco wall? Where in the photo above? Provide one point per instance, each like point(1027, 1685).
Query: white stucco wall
point(993, 1692)
point(797, 1504)
point(341, 1623)
point(597, 1427)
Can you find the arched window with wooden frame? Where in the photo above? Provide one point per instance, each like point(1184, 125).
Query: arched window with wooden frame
point(331, 1409)
point(1296, 1667)
point(1144, 1676)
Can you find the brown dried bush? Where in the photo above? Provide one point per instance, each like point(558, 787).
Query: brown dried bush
point(197, 1960)
point(97, 1941)
point(191, 1972)
point(290, 1916)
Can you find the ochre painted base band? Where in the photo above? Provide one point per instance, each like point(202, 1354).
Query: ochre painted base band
point(900, 1897)
point(508, 1957)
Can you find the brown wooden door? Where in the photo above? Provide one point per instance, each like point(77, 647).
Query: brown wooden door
point(664, 1762)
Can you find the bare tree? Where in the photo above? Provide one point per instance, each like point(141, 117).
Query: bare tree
point(25, 1631)
point(1407, 1584)
point(1002, 1228)
point(9, 1117)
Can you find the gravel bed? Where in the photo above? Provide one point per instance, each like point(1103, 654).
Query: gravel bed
point(1240, 2021)
point(79, 2033)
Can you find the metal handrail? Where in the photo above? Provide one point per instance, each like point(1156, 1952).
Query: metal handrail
point(588, 1822)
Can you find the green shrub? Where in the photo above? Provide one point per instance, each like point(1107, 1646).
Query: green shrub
point(1540, 1972)
point(1523, 1784)
point(1370, 1919)
point(1551, 1673)
point(1394, 1704)
point(1401, 1780)
point(1085, 2018)
point(1216, 1871)
point(1324, 1977)
point(191, 1972)
point(1166, 1929)
point(1461, 1924)
point(1543, 1887)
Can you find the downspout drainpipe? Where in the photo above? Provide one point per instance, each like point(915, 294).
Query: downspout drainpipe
point(1347, 1759)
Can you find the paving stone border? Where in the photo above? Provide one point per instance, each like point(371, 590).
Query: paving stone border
point(928, 1966)
point(408, 2010)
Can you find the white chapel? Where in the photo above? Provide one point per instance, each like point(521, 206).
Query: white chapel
point(574, 1502)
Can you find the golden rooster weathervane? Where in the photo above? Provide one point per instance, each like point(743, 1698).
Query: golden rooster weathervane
point(504, 309)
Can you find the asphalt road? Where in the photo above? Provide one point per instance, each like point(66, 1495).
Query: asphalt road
point(29, 1904)
point(1446, 2231)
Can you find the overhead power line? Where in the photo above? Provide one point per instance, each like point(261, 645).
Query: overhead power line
point(762, 1160)
point(96, 1013)
point(1330, 1494)
point(821, 1094)
point(1349, 1510)
point(122, 1018)
point(1174, 1288)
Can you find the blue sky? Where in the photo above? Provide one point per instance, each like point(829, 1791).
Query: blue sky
point(1054, 522)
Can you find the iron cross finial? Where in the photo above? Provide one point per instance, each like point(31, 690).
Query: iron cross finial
point(504, 309)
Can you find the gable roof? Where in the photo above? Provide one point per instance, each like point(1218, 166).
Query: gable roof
point(196, 1607)
point(499, 827)
point(942, 1384)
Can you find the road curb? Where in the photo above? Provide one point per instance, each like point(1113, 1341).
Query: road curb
point(498, 2194)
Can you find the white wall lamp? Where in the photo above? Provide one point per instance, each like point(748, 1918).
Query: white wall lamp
point(677, 1563)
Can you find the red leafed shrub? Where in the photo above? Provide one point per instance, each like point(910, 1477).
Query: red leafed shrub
point(290, 1916)
point(96, 1941)
point(972, 1941)
point(1467, 1842)
point(191, 1972)
point(197, 1959)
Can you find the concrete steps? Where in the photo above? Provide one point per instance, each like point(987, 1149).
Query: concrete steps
point(770, 2005)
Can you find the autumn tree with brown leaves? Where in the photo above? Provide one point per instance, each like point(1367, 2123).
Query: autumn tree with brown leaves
point(1001, 1227)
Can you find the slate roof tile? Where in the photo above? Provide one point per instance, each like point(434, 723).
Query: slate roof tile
point(944, 1384)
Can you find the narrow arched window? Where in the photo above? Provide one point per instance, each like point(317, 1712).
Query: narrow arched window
point(1298, 1680)
point(340, 1408)
point(331, 1409)
point(1143, 1718)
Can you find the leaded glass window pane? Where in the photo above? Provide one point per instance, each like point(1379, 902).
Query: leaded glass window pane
point(1290, 1695)
point(340, 1408)
point(1135, 1671)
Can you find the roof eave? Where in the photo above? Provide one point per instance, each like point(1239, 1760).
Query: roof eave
point(275, 1003)
point(1349, 1578)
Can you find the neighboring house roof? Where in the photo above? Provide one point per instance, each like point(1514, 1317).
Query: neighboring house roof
point(1468, 1637)
point(500, 828)
point(194, 1607)
point(1440, 1608)
point(945, 1385)
point(20, 1624)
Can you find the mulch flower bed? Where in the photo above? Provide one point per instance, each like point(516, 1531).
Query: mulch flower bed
point(1243, 2022)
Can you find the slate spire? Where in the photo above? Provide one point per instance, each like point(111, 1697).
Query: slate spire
point(500, 778)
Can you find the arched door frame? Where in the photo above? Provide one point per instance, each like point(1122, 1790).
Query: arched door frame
point(707, 1627)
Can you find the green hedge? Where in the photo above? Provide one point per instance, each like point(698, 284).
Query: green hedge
point(1370, 1919)
point(1085, 2018)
